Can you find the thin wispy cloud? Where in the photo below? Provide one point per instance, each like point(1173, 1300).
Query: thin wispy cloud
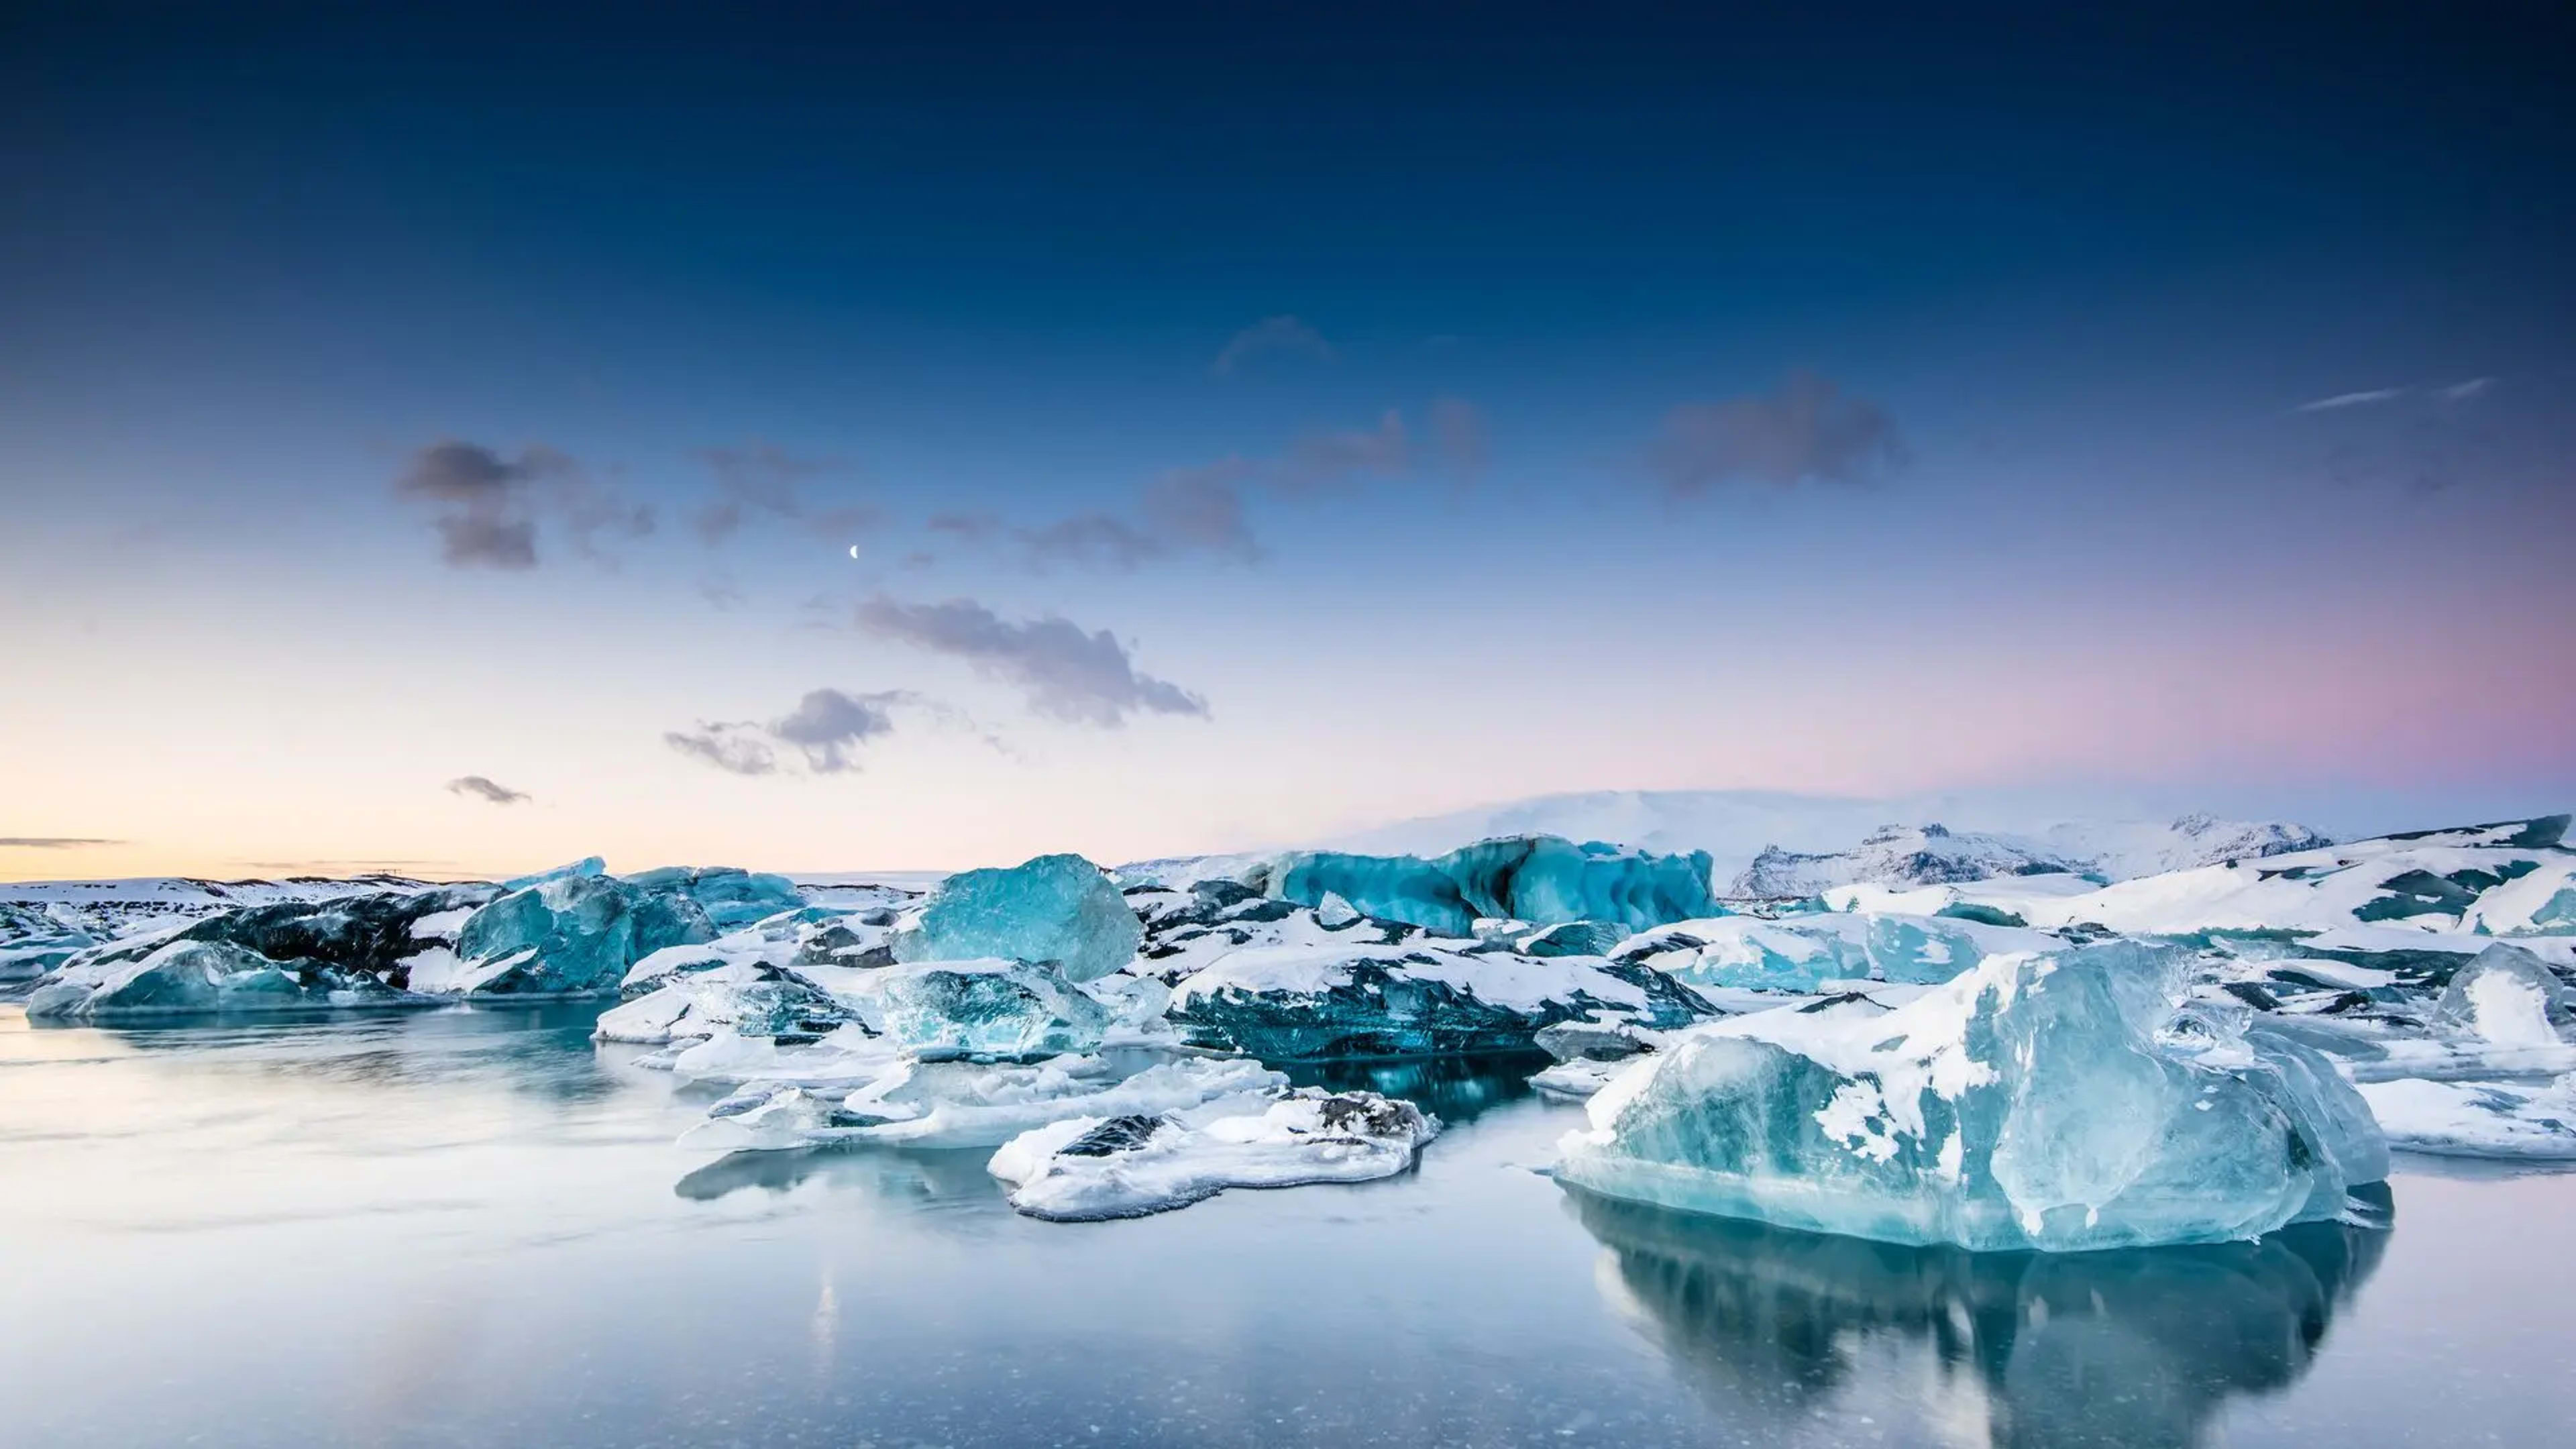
point(738, 747)
point(1271, 335)
point(2371, 397)
point(483, 787)
point(759, 481)
point(2343, 400)
point(1205, 511)
point(52, 842)
point(1064, 671)
point(1809, 430)
point(486, 506)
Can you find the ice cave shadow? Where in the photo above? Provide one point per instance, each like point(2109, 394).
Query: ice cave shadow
point(2134, 1346)
point(1456, 1089)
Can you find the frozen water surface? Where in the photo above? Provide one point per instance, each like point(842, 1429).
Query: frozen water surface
point(466, 1225)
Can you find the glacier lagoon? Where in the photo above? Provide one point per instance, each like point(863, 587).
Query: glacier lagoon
point(467, 1224)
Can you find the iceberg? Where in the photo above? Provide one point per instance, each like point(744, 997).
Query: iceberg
point(993, 1009)
point(750, 998)
point(1088, 1168)
point(1278, 981)
point(573, 933)
point(2058, 1102)
point(1801, 953)
point(2527, 1120)
point(1056, 909)
point(960, 1104)
point(2508, 996)
point(729, 897)
point(176, 976)
point(1540, 879)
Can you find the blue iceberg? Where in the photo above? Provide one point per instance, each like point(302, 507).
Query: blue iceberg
point(2058, 1102)
point(1541, 879)
point(1057, 909)
point(573, 934)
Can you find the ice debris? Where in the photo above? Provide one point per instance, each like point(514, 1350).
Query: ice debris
point(1057, 909)
point(2058, 1102)
point(1093, 1167)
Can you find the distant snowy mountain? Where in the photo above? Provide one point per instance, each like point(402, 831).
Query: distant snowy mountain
point(2125, 850)
point(1731, 825)
point(1788, 844)
point(1900, 855)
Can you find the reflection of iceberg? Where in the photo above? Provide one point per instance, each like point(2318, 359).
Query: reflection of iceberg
point(2137, 1346)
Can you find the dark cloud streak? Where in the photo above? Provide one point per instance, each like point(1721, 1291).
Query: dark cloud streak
point(1065, 672)
point(1808, 431)
point(483, 787)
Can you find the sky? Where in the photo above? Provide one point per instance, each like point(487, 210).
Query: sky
point(923, 438)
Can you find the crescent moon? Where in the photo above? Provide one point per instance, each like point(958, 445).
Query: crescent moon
point(854, 550)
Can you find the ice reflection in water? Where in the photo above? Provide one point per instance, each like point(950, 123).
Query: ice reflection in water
point(2135, 1347)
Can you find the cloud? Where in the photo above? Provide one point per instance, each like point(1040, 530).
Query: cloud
point(828, 724)
point(827, 727)
point(2463, 391)
point(761, 480)
point(486, 506)
point(1319, 462)
point(735, 746)
point(1271, 334)
point(51, 842)
point(1458, 429)
point(1066, 673)
point(482, 787)
point(2351, 400)
point(1808, 430)
point(1185, 510)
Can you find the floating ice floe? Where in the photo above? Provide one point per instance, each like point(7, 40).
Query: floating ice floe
point(1092, 1167)
point(2528, 1120)
point(2058, 1102)
point(963, 1104)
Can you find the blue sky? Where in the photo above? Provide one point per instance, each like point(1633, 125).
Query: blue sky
point(1429, 405)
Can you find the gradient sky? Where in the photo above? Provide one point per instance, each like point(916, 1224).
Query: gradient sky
point(1251, 425)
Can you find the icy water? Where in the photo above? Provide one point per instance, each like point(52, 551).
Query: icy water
point(467, 1227)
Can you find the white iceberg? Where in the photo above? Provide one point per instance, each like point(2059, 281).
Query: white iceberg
point(1088, 1168)
point(961, 1104)
point(2529, 1120)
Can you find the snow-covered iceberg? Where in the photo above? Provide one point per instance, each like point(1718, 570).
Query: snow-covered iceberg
point(2060, 1102)
point(334, 951)
point(1289, 983)
point(1801, 953)
point(1087, 1168)
point(966, 1104)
